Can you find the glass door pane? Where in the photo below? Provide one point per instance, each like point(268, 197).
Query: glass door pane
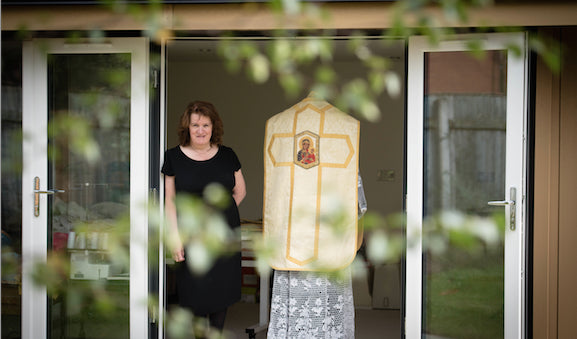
point(465, 148)
point(465, 128)
point(89, 144)
point(85, 164)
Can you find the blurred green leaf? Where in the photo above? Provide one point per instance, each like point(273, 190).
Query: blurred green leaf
point(179, 324)
point(216, 195)
point(259, 68)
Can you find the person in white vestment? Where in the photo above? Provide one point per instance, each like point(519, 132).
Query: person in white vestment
point(313, 198)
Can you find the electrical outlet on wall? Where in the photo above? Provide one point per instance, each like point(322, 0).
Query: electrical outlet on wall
point(385, 175)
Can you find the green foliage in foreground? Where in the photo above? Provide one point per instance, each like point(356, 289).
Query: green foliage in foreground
point(458, 296)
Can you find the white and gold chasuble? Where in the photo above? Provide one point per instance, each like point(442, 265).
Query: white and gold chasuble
point(310, 187)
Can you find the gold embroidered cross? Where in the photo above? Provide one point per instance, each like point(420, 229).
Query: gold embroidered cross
point(314, 152)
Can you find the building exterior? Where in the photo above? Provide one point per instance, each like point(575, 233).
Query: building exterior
point(519, 112)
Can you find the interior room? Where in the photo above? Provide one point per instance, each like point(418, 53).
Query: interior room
point(195, 71)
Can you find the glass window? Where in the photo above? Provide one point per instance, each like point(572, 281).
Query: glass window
point(464, 168)
point(89, 111)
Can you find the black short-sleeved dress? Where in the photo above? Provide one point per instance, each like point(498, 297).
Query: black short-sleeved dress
point(220, 286)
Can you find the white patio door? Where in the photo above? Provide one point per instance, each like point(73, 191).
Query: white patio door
point(466, 147)
point(85, 166)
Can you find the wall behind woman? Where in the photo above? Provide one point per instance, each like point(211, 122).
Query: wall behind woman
point(245, 106)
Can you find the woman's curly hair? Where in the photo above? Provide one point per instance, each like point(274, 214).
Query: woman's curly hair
point(201, 108)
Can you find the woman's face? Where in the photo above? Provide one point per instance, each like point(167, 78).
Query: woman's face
point(200, 130)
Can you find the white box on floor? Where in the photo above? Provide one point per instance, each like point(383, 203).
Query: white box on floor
point(387, 287)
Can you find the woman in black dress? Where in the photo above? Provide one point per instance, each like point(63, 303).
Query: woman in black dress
point(188, 168)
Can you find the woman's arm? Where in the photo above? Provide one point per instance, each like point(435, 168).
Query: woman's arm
point(239, 190)
point(174, 242)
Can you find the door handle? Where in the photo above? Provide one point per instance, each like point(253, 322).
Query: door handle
point(511, 203)
point(37, 193)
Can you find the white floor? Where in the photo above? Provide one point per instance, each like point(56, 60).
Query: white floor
point(369, 323)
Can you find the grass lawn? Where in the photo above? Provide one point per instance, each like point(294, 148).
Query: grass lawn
point(466, 302)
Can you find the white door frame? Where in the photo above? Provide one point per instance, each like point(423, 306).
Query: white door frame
point(162, 145)
point(515, 176)
point(34, 127)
